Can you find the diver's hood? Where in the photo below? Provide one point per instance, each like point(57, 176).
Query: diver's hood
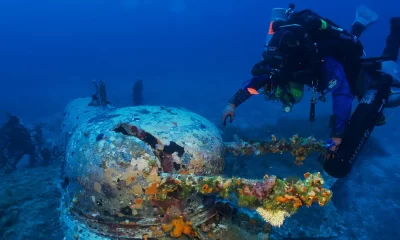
point(391, 68)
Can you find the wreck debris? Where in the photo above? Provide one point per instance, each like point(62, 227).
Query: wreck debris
point(113, 170)
point(274, 199)
point(169, 155)
point(95, 98)
point(299, 147)
point(99, 98)
point(153, 172)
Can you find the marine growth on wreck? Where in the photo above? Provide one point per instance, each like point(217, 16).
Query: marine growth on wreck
point(151, 172)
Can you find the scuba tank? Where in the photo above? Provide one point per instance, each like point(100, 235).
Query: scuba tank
point(293, 93)
point(276, 14)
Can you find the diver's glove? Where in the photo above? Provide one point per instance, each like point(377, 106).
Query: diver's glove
point(229, 111)
point(332, 143)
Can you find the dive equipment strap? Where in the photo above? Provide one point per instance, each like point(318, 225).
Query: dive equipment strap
point(313, 101)
point(312, 107)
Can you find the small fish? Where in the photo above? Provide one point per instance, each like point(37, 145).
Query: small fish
point(252, 91)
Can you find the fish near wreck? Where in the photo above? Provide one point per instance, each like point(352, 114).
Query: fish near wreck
point(153, 172)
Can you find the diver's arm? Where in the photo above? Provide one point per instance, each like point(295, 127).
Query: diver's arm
point(248, 89)
point(244, 93)
point(260, 68)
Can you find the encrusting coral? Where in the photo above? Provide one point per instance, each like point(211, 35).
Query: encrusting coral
point(299, 147)
point(273, 198)
point(275, 218)
point(178, 227)
point(173, 191)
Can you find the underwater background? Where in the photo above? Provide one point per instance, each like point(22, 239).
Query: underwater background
point(190, 54)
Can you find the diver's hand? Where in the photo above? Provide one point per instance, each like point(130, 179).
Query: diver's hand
point(229, 111)
point(332, 143)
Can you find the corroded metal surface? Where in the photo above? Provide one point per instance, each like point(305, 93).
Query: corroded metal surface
point(298, 147)
point(153, 172)
point(113, 161)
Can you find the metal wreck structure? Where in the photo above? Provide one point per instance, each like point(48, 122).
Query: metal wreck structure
point(153, 172)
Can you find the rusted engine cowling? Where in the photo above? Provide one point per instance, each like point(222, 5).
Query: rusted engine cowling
point(113, 161)
point(79, 112)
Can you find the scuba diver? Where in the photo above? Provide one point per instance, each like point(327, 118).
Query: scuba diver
point(277, 72)
point(338, 52)
point(325, 48)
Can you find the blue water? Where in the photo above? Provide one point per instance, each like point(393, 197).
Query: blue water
point(192, 54)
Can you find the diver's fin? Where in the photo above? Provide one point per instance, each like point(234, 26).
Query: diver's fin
point(365, 16)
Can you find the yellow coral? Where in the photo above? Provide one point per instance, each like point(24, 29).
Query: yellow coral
point(204, 189)
point(273, 217)
point(297, 203)
point(178, 226)
point(187, 229)
point(152, 189)
point(166, 227)
point(281, 199)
